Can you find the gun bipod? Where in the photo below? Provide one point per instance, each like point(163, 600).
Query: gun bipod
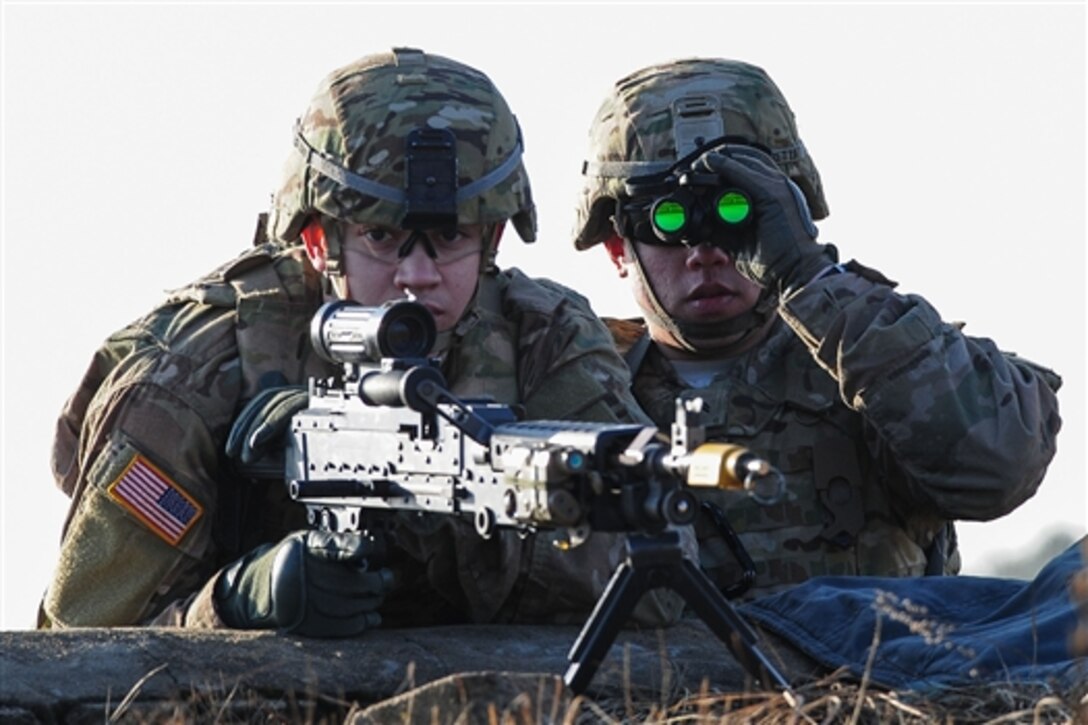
point(655, 561)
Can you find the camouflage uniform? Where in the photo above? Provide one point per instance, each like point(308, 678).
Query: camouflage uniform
point(887, 422)
point(158, 510)
point(166, 388)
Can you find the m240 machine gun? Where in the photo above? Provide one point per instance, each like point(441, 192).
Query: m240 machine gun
point(388, 435)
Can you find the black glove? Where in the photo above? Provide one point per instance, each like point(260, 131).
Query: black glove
point(313, 583)
point(785, 255)
point(258, 431)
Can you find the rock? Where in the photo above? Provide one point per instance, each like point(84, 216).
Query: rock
point(80, 675)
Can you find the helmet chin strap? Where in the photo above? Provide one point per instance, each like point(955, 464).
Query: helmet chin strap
point(324, 233)
point(704, 338)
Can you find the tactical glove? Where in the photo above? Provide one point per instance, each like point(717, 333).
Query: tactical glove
point(258, 431)
point(785, 254)
point(312, 583)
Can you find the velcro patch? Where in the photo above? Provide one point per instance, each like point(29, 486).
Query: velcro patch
point(153, 497)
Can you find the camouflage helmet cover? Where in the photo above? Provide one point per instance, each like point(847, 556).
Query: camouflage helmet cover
point(349, 157)
point(685, 103)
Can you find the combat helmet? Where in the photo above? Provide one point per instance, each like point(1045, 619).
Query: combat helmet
point(661, 113)
point(404, 139)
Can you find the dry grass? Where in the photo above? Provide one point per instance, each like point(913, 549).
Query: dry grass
point(237, 705)
point(834, 699)
point(837, 699)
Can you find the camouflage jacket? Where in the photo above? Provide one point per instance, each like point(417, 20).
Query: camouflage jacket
point(157, 403)
point(886, 422)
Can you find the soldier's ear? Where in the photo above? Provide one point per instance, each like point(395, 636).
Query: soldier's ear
point(617, 252)
point(317, 247)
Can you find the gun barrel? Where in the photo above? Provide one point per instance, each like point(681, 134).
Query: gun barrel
point(732, 466)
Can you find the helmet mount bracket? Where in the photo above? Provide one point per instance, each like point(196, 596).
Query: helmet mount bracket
point(431, 175)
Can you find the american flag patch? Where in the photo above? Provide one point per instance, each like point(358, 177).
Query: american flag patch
point(151, 496)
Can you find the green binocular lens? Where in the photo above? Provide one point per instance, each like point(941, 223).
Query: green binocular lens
point(733, 207)
point(669, 216)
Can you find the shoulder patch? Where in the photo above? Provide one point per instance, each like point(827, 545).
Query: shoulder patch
point(155, 499)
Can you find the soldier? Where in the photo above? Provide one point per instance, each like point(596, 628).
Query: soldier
point(887, 422)
point(163, 531)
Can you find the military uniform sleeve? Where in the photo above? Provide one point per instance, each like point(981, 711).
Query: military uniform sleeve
point(569, 368)
point(139, 537)
point(197, 611)
point(965, 430)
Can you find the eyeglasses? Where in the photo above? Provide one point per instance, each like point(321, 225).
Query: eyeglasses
point(392, 245)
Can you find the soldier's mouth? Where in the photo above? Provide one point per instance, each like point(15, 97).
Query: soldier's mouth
point(709, 291)
point(435, 310)
point(711, 300)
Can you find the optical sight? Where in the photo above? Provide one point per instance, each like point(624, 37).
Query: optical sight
point(348, 332)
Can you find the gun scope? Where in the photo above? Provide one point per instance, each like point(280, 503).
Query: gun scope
point(348, 332)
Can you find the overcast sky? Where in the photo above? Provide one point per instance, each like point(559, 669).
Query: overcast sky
point(140, 141)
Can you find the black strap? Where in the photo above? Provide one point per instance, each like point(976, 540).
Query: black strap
point(635, 356)
point(732, 540)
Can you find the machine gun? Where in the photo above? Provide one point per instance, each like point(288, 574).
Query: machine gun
point(388, 435)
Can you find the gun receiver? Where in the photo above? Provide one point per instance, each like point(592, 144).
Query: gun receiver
point(388, 435)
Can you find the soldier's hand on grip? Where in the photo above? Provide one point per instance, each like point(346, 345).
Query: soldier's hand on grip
point(785, 254)
point(258, 431)
point(312, 583)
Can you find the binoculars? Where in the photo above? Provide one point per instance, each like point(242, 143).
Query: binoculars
point(686, 208)
point(687, 205)
point(679, 214)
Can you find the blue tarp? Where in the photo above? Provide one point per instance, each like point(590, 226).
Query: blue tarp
point(936, 632)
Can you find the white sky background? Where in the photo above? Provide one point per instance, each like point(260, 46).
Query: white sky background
point(140, 142)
